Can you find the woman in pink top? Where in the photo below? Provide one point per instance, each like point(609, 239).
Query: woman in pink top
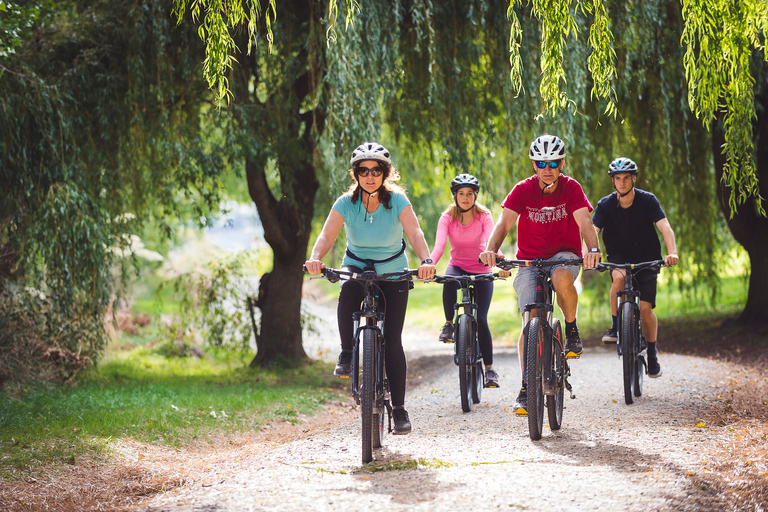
point(467, 225)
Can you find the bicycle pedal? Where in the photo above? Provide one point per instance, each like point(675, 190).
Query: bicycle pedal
point(344, 376)
point(448, 342)
point(573, 355)
point(521, 412)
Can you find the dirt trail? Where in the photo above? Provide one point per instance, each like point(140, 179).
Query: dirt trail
point(607, 457)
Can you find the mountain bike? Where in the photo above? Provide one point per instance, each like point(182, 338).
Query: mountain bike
point(467, 354)
point(632, 342)
point(545, 365)
point(370, 388)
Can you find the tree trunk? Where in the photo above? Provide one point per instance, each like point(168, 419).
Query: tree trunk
point(748, 227)
point(287, 225)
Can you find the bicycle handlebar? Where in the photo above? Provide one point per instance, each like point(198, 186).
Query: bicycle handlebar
point(336, 274)
point(536, 262)
point(653, 265)
point(466, 278)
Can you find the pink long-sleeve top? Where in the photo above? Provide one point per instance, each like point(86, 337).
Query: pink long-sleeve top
point(467, 242)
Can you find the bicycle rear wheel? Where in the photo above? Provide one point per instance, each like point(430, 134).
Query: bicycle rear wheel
point(464, 351)
point(380, 409)
point(628, 351)
point(477, 371)
point(639, 365)
point(367, 394)
point(555, 402)
point(534, 369)
point(477, 379)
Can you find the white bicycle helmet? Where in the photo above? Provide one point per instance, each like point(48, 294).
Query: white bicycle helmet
point(547, 148)
point(622, 164)
point(370, 151)
point(465, 180)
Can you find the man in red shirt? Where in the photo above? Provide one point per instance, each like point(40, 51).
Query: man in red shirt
point(552, 214)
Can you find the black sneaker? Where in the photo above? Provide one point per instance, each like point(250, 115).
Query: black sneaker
point(491, 378)
point(654, 369)
point(521, 404)
point(446, 333)
point(402, 423)
point(573, 348)
point(610, 336)
point(344, 366)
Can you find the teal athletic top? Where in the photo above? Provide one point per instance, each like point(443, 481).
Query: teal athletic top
point(375, 236)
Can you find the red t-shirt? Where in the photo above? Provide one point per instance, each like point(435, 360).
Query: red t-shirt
point(545, 225)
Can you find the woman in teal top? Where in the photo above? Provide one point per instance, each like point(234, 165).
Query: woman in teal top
point(375, 212)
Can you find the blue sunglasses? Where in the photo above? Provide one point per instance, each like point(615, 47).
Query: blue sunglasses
point(552, 165)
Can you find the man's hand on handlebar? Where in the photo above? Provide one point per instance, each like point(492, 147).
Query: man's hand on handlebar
point(488, 258)
point(314, 266)
point(591, 259)
point(671, 260)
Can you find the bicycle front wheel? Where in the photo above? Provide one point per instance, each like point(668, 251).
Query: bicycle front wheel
point(534, 370)
point(555, 402)
point(367, 394)
point(628, 350)
point(464, 351)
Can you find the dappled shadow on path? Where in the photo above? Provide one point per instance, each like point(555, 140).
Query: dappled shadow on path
point(580, 448)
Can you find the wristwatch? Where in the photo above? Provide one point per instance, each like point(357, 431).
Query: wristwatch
point(594, 249)
point(428, 261)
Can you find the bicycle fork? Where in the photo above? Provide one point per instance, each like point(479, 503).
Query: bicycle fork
point(382, 386)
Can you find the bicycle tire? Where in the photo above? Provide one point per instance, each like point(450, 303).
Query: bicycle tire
point(477, 379)
point(367, 394)
point(639, 366)
point(377, 434)
point(464, 351)
point(534, 366)
point(555, 402)
point(628, 351)
point(477, 368)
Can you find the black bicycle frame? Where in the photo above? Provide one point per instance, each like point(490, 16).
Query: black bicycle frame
point(374, 319)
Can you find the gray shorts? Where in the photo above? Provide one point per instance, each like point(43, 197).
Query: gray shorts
point(525, 278)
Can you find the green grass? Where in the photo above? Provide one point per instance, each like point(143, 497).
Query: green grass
point(138, 395)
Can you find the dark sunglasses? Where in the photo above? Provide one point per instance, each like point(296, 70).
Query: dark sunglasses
point(552, 165)
point(364, 171)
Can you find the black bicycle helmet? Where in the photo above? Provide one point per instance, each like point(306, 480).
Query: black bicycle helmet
point(370, 151)
point(464, 180)
point(622, 164)
point(547, 148)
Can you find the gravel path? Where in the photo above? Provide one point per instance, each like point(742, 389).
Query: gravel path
point(607, 457)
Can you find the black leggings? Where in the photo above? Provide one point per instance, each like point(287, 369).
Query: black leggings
point(483, 295)
point(393, 302)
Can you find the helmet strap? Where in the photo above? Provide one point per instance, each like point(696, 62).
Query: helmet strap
point(547, 187)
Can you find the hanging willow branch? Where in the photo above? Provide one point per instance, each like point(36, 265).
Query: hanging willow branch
point(220, 17)
point(719, 36)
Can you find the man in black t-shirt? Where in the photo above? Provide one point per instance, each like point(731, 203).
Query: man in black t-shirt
point(629, 218)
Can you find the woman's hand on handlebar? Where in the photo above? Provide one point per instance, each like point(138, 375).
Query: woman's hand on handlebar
point(314, 266)
point(426, 271)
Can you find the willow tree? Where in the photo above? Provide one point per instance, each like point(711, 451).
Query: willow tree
point(95, 138)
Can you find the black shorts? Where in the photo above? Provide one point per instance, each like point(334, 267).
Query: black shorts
point(645, 282)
